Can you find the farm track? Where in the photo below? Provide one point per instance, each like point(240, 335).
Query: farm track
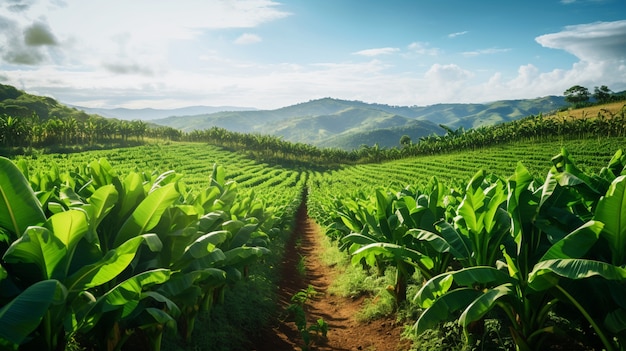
point(344, 331)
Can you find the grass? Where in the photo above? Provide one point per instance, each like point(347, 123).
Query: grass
point(590, 111)
point(355, 282)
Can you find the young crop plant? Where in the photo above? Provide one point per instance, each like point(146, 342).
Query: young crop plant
point(297, 310)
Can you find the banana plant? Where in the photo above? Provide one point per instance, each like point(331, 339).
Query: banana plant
point(540, 232)
point(385, 240)
point(595, 287)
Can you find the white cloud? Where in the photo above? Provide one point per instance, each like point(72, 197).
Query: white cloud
point(445, 74)
point(422, 48)
point(248, 38)
point(490, 51)
point(454, 35)
point(376, 52)
point(148, 27)
point(600, 41)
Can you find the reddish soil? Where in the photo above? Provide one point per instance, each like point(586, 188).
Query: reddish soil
point(344, 331)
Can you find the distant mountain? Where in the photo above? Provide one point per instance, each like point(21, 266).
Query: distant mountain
point(324, 122)
point(348, 124)
point(148, 114)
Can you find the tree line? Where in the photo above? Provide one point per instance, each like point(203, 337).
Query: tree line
point(579, 96)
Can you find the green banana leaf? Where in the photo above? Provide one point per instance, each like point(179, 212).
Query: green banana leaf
point(37, 246)
point(445, 308)
point(576, 244)
point(436, 241)
point(112, 264)
point(206, 243)
point(546, 274)
point(147, 214)
point(611, 211)
point(242, 256)
point(391, 251)
point(102, 202)
point(22, 315)
point(203, 250)
point(133, 288)
point(19, 207)
point(460, 247)
point(466, 277)
point(241, 232)
point(359, 239)
point(484, 303)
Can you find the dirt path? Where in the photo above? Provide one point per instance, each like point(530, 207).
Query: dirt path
point(344, 331)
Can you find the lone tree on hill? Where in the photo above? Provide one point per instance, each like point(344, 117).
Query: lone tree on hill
point(577, 95)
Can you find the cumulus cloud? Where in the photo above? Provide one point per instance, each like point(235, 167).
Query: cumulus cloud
point(599, 41)
point(248, 38)
point(377, 51)
point(449, 73)
point(454, 35)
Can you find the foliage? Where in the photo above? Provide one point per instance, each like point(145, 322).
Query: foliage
point(576, 95)
point(523, 249)
point(106, 255)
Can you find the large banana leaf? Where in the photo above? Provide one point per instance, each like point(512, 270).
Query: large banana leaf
point(546, 274)
point(484, 303)
point(241, 232)
point(466, 277)
point(445, 308)
point(147, 214)
point(460, 246)
point(112, 264)
point(391, 252)
point(40, 247)
point(242, 256)
point(199, 249)
point(611, 211)
point(436, 241)
point(132, 288)
point(102, 201)
point(180, 282)
point(19, 207)
point(576, 244)
point(23, 314)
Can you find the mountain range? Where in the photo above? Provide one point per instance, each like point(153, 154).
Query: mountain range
point(323, 122)
point(347, 124)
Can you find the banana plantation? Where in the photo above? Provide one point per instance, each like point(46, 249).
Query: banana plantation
point(521, 226)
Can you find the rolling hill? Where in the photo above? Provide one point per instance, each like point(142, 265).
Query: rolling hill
point(346, 124)
point(323, 122)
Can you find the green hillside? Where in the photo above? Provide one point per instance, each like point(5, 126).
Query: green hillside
point(325, 121)
point(351, 128)
point(16, 103)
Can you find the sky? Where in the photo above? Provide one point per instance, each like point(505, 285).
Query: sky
point(269, 54)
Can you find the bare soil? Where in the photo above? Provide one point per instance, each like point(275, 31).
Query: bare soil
point(344, 331)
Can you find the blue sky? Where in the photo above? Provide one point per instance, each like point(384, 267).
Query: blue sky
point(269, 54)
